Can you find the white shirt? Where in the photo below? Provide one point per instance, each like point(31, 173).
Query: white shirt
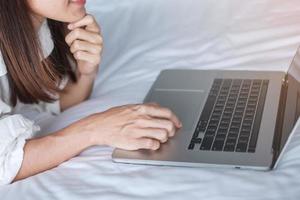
point(17, 124)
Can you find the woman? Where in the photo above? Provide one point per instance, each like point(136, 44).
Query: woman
point(50, 52)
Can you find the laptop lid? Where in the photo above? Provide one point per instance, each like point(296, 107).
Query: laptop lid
point(286, 145)
point(291, 109)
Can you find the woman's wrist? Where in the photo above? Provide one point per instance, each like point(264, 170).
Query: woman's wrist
point(85, 127)
point(75, 93)
point(87, 76)
point(77, 132)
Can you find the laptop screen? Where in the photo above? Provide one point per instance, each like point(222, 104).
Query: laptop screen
point(294, 69)
point(292, 105)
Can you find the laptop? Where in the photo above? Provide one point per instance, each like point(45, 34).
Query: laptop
point(231, 118)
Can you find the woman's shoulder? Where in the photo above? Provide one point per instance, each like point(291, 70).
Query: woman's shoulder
point(3, 69)
point(4, 87)
point(5, 107)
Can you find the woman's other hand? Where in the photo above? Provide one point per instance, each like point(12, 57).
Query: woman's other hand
point(86, 44)
point(131, 127)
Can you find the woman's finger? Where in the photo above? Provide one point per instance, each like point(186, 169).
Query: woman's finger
point(157, 124)
point(79, 45)
point(160, 112)
point(146, 143)
point(152, 133)
point(81, 34)
point(88, 57)
point(88, 22)
point(136, 144)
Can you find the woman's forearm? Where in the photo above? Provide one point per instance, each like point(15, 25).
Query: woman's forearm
point(48, 152)
point(76, 93)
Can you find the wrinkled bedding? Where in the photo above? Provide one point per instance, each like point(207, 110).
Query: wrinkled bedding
point(143, 37)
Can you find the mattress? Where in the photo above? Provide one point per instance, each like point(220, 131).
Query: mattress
point(143, 37)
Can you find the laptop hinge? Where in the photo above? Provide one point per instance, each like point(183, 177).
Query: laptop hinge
point(280, 119)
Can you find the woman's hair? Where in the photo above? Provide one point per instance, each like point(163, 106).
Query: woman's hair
point(30, 79)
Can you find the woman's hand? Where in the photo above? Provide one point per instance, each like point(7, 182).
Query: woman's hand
point(86, 44)
point(131, 127)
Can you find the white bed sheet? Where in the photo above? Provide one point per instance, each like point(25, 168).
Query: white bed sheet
point(143, 37)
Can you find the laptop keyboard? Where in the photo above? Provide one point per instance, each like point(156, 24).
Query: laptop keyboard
point(230, 120)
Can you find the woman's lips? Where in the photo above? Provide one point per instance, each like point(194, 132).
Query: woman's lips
point(81, 2)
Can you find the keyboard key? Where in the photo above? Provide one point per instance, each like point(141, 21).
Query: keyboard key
point(191, 146)
point(194, 142)
point(243, 139)
point(231, 140)
point(232, 137)
point(229, 148)
point(213, 123)
point(236, 124)
point(212, 129)
point(245, 133)
point(218, 146)
point(234, 130)
point(207, 143)
point(210, 133)
point(241, 147)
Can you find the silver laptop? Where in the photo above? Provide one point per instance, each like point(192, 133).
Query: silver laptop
point(230, 118)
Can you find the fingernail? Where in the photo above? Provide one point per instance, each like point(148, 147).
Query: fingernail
point(70, 26)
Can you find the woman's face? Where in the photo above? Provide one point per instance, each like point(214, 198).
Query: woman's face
point(59, 10)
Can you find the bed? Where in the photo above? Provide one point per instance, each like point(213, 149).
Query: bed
point(143, 37)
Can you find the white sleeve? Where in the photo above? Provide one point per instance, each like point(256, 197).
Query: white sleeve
point(14, 130)
point(54, 107)
point(34, 110)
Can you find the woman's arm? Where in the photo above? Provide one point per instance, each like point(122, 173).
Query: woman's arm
point(129, 127)
point(75, 93)
point(86, 45)
point(50, 151)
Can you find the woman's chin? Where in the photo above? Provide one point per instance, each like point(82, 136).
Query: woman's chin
point(76, 16)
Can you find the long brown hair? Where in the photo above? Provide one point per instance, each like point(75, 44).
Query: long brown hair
point(32, 80)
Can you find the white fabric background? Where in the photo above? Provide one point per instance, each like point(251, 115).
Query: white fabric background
point(143, 37)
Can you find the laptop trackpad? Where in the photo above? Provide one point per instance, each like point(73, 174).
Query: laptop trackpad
point(186, 104)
